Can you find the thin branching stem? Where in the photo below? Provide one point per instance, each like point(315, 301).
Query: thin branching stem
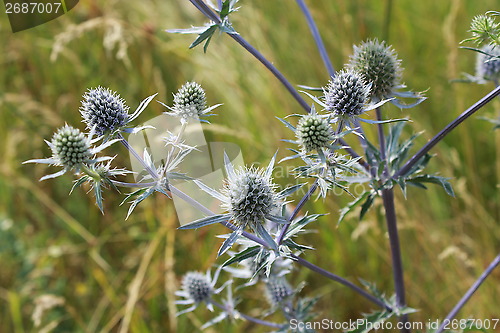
point(470, 292)
point(296, 211)
point(317, 38)
point(247, 317)
point(457, 121)
point(138, 157)
point(340, 280)
point(397, 263)
point(392, 228)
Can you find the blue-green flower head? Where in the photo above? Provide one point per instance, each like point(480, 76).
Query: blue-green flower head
point(347, 94)
point(104, 110)
point(379, 66)
point(313, 132)
point(278, 290)
point(251, 197)
point(197, 286)
point(190, 101)
point(488, 65)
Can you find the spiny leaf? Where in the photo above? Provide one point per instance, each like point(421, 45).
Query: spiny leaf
point(245, 254)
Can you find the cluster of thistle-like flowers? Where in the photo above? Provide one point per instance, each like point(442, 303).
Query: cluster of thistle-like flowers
point(372, 75)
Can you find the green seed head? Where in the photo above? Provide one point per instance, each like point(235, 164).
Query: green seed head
point(379, 65)
point(190, 100)
point(197, 286)
point(313, 132)
point(346, 94)
point(71, 147)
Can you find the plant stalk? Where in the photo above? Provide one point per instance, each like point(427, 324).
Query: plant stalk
point(340, 280)
point(429, 145)
point(317, 38)
point(397, 263)
point(470, 292)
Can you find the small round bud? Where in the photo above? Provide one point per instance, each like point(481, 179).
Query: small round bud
point(104, 109)
point(197, 286)
point(313, 132)
point(190, 100)
point(346, 94)
point(278, 290)
point(488, 65)
point(251, 197)
point(71, 147)
point(379, 65)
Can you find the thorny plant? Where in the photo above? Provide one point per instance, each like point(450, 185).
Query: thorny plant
point(263, 244)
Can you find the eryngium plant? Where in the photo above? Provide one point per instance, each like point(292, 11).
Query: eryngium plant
point(72, 150)
point(263, 229)
point(379, 65)
point(190, 102)
point(104, 110)
point(313, 132)
point(347, 94)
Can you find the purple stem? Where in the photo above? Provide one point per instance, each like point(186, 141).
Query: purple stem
point(340, 280)
point(470, 292)
point(317, 38)
point(466, 114)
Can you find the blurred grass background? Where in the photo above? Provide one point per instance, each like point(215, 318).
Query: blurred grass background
point(92, 273)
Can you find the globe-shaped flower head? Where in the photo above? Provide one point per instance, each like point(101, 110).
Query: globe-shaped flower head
point(197, 286)
point(190, 100)
point(104, 110)
point(346, 94)
point(72, 150)
point(278, 290)
point(379, 65)
point(70, 147)
point(251, 197)
point(488, 64)
point(313, 132)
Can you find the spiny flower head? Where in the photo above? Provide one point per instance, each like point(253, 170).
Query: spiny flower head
point(379, 65)
point(484, 28)
point(71, 147)
point(346, 94)
point(104, 110)
point(278, 290)
point(72, 150)
point(190, 100)
point(251, 196)
point(488, 65)
point(313, 132)
point(198, 286)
